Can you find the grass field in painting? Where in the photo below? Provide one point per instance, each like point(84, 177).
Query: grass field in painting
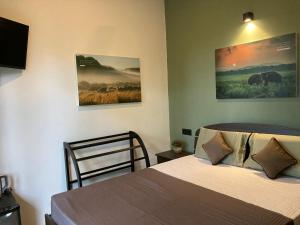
point(236, 86)
point(94, 94)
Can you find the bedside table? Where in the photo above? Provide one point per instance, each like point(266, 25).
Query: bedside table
point(170, 155)
point(9, 210)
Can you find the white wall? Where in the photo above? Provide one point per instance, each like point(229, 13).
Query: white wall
point(38, 106)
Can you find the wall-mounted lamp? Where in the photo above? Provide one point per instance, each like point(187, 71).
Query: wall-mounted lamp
point(248, 16)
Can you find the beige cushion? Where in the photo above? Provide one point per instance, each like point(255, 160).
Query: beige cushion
point(290, 143)
point(235, 140)
point(217, 149)
point(274, 159)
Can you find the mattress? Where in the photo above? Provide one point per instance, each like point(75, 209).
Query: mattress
point(186, 191)
point(281, 195)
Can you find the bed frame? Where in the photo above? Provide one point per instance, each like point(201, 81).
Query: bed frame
point(238, 127)
point(49, 220)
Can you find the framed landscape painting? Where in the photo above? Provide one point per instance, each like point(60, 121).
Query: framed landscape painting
point(108, 79)
point(260, 69)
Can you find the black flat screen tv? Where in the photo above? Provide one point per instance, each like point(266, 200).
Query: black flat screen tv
point(13, 44)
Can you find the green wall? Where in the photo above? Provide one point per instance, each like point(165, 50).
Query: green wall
point(195, 28)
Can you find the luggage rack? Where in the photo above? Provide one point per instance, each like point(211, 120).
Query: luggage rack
point(70, 147)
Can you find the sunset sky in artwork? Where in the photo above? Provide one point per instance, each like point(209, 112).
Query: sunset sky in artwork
point(273, 51)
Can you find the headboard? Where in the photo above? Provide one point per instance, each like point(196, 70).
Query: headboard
point(251, 128)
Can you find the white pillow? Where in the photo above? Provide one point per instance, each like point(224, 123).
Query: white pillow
point(290, 143)
point(235, 140)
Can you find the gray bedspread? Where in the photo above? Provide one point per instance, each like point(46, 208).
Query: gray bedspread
point(149, 197)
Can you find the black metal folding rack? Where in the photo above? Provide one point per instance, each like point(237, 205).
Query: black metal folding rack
point(70, 147)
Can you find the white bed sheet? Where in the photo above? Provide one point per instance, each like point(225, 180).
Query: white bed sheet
point(281, 195)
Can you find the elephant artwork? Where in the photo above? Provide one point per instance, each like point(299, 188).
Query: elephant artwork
point(265, 78)
point(261, 69)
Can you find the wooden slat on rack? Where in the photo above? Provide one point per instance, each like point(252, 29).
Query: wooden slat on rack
point(96, 139)
point(106, 153)
point(100, 143)
point(109, 167)
point(103, 173)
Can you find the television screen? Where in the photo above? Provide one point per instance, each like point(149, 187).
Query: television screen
point(13, 44)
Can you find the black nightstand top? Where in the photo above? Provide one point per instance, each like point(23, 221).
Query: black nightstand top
point(172, 155)
point(8, 203)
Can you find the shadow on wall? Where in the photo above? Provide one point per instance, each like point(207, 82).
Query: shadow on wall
point(27, 209)
point(8, 74)
point(109, 106)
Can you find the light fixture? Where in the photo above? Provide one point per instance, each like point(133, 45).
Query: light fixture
point(248, 16)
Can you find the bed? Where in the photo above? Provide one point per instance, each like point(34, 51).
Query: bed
point(186, 191)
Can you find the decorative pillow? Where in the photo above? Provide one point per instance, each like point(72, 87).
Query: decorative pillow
point(217, 149)
point(235, 140)
point(291, 144)
point(274, 159)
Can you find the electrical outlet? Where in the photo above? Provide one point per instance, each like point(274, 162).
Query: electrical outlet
point(187, 131)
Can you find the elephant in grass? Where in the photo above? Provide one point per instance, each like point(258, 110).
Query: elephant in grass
point(271, 77)
point(255, 79)
point(265, 78)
